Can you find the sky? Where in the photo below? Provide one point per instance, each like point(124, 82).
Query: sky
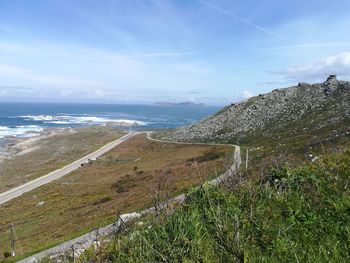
point(141, 51)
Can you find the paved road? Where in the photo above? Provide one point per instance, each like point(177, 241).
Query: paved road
point(79, 244)
point(231, 171)
point(17, 191)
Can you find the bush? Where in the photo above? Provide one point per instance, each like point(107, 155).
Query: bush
point(297, 215)
point(103, 200)
point(208, 156)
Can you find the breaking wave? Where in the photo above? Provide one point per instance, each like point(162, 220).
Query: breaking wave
point(20, 131)
point(66, 120)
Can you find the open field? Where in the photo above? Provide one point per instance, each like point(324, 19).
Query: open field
point(49, 153)
point(130, 177)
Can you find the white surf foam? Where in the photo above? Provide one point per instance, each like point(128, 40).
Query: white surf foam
point(20, 131)
point(38, 117)
point(66, 120)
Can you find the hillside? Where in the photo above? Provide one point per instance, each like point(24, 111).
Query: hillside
point(128, 178)
point(322, 108)
point(281, 208)
point(287, 215)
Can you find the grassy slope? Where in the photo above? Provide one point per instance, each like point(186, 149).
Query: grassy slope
point(53, 153)
point(296, 212)
point(288, 215)
point(319, 129)
point(94, 194)
point(286, 210)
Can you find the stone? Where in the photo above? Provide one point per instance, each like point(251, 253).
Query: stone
point(245, 118)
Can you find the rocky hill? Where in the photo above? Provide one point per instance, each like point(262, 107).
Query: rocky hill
point(298, 109)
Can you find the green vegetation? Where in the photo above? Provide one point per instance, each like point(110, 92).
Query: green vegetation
point(207, 156)
point(282, 215)
point(222, 111)
point(94, 194)
point(53, 152)
point(311, 135)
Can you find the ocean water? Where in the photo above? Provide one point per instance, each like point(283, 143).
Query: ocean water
point(27, 119)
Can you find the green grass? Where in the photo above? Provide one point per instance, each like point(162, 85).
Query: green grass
point(296, 140)
point(222, 111)
point(285, 215)
point(54, 152)
point(92, 195)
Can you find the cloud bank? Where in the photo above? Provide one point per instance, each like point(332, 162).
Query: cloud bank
point(338, 64)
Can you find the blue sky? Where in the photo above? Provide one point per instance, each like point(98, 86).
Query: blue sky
point(141, 51)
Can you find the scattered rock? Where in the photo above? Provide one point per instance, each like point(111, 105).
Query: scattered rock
point(330, 85)
point(40, 203)
point(302, 84)
point(270, 112)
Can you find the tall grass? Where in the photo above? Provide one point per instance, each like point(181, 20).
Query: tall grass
point(288, 215)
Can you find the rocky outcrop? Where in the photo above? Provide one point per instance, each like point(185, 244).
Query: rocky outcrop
point(316, 104)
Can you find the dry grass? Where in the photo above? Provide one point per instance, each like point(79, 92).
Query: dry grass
point(52, 153)
point(123, 180)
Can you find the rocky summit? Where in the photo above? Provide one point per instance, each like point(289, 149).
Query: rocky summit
point(301, 107)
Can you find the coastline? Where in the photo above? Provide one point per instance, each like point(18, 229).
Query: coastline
point(11, 146)
point(26, 159)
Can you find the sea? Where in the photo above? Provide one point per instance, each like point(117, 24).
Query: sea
point(28, 119)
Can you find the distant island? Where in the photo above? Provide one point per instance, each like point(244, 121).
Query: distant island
point(185, 103)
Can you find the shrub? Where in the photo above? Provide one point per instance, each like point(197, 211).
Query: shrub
point(297, 215)
point(7, 254)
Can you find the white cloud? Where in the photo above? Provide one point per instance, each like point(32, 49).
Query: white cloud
point(166, 54)
point(67, 71)
point(306, 46)
point(337, 64)
point(236, 17)
point(14, 91)
point(42, 79)
point(247, 94)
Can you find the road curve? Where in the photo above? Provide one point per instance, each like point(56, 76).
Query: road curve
point(19, 190)
point(79, 244)
point(231, 171)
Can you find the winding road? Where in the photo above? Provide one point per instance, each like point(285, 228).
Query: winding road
point(29, 186)
point(236, 162)
point(79, 244)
